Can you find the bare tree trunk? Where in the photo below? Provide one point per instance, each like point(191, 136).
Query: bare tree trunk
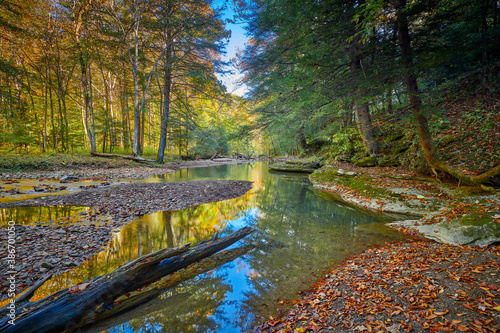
point(124, 109)
point(167, 86)
point(89, 112)
point(84, 67)
point(365, 127)
point(54, 141)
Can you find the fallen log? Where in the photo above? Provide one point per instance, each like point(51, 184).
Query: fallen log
point(127, 157)
point(146, 300)
point(72, 308)
point(217, 154)
point(238, 155)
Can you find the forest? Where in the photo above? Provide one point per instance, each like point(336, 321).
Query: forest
point(354, 185)
point(114, 76)
point(326, 78)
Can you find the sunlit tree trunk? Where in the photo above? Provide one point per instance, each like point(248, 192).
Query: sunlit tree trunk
point(83, 58)
point(137, 110)
point(167, 86)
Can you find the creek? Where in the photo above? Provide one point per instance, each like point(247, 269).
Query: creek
point(300, 233)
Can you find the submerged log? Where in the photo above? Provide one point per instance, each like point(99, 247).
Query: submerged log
point(82, 305)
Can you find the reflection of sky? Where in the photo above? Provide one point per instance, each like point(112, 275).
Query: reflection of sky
point(237, 41)
point(302, 231)
point(236, 278)
point(247, 219)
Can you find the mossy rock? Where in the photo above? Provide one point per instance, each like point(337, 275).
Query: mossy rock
point(366, 162)
point(311, 165)
point(344, 158)
point(481, 229)
point(388, 161)
point(293, 167)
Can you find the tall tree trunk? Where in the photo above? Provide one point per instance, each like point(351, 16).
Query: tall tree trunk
point(361, 108)
point(89, 112)
point(88, 118)
point(416, 104)
point(124, 109)
point(167, 86)
point(365, 127)
point(137, 110)
point(45, 112)
point(54, 140)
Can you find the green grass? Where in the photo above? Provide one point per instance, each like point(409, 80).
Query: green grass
point(54, 161)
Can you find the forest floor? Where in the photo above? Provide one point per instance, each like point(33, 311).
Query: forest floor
point(112, 200)
point(418, 286)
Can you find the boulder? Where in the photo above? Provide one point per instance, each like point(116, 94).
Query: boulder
point(292, 166)
point(344, 158)
point(366, 162)
point(481, 229)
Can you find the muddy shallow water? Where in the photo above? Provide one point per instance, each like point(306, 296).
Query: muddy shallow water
point(300, 232)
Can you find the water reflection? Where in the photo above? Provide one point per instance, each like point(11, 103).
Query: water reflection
point(40, 215)
point(300, 231)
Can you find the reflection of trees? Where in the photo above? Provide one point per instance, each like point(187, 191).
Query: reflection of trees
point(31, 215)
point(189, 308)
point(300, 231)
point(301, 235)
point(151, 233)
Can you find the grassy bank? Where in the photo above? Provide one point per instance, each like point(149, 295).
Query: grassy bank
point(56, 161)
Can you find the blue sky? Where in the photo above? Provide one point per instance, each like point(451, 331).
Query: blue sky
point(237, 41)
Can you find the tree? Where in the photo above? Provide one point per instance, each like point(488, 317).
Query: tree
point(416, 104)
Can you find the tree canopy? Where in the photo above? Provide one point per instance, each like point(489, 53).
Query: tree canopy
point(316, 67)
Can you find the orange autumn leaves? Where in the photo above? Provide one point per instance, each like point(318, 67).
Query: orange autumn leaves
point(403, 287)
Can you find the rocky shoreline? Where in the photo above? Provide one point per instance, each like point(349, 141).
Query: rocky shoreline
point(46, 247)
point(420, 286)
point(418, 201)
point(119, 172)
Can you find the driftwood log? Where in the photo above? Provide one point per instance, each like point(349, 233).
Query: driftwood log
point(238, 155)
point(216, 154)
point(146, 300)
point(127, 157)
point(85, 304)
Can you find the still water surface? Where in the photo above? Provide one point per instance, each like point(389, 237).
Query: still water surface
point(300, 231)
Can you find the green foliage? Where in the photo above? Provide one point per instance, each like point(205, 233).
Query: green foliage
point(345, 142)
point(207, 142)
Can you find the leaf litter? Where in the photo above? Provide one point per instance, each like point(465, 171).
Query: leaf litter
point(402, 287)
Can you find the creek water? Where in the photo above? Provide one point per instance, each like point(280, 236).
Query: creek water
point(300, 233)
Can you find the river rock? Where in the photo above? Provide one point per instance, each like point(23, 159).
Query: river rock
point(342, 172)
point(47, 265)
point(344, 158)
point(476, 229)
point(294, 166)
